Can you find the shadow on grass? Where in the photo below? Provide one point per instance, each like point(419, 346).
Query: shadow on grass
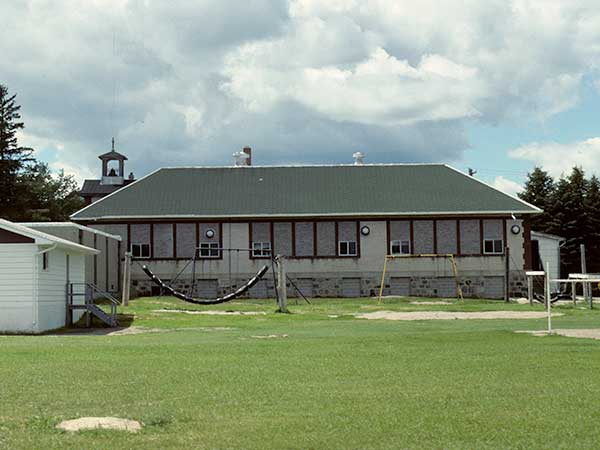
point(97, 328)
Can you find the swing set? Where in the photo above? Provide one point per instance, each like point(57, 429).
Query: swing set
point(189, 296)
point(446, 256)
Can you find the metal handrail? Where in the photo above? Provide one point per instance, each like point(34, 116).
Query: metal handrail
point(88, 291)
point(93, 288)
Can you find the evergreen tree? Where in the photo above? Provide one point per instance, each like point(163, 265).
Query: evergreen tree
point(44, 197)
point(592, 232)
point(568, 217)
point(539, 190)
point(12, 156)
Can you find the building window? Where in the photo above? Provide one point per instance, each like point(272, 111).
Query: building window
point(209, 250)
point(347, 248)
point(140, 250)
point(493, 246)
point(261, 249)
point(45, 261)
point(399, 247)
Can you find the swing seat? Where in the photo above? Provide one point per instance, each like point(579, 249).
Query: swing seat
point(187, 298)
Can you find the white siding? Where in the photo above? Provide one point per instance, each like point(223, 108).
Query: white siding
point(17, 288)
point(549, 250)
point(52, 285)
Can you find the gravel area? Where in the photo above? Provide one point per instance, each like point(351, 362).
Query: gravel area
point(587, 333)
point(449, 315)
point(211, 313)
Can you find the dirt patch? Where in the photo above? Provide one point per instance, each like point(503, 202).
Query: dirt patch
point(106, 423)
point(132, 330)
point(586, 333)
point(118, 331)
point(270, 336)
point(211, 313)
point(449, 315)
point(431, 303)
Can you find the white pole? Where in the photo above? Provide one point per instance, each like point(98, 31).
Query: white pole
point(281, 283)
point(126, 280)
point(530, 289)
point(548, 302)
point(587, 289)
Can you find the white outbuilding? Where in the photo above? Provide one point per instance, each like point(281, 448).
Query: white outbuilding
point(546, 250)
point(35, 270)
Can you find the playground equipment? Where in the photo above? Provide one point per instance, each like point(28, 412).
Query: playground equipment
point(190, 299)
point(280, 280)
point(585, 279)
point(448, 256)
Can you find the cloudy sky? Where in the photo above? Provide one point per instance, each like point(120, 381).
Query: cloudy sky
point(499, 86)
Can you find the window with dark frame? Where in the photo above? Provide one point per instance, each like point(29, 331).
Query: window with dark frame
point(261, 249)
point(399, 247)
point(209, 250)
point(493, 246)
point(347, 248)
point(140, 250)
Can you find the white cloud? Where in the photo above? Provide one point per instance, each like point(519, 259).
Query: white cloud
point(309, 80)
point(380, 89)
point(508, 186)
point(78, 173)
point(558, 159)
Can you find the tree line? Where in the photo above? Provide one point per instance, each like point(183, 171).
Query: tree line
point(571, 207)
point(29, 191)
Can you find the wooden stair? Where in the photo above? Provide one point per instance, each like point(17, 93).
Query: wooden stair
point(90, 292)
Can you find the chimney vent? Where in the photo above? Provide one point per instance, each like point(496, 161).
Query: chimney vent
point(248, 151)
point(240, 158)
point(358, 158)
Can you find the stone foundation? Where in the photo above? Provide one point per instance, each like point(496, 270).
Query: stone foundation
point(331, 285)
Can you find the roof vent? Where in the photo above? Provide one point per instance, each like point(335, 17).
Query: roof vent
point(240, 158)
point(358, 158)
point(248, 151)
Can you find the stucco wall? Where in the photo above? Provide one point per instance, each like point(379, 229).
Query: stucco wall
point(163, 240)
point(186, 239)
point(423, 236)
point(470, 240)
point(446, 236)
point(326, 245)
point(480, 275)
point(282, 238)
point(304, 239)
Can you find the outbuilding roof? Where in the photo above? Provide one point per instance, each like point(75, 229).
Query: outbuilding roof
point(41, 238)
point(47, 225)
point(547, 235)
point(378, 190)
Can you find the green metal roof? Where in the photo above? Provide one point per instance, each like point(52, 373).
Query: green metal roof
point(293, 191)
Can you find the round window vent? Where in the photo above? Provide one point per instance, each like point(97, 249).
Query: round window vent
point(515, 229)
point(365, 230)
point(210, 233)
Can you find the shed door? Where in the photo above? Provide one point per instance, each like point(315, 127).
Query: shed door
point(207, 288)
point(304, 284)
point(400, 286)
point(351, 287)
point(259, 290)
point(494, 287)
point(445, 287)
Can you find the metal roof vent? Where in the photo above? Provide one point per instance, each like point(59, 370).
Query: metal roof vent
point(358, 158)
point(240, 158)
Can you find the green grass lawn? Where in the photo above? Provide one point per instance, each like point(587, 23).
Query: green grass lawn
point(332, 383)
